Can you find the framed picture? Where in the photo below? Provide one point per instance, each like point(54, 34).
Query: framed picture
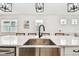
point(26, 24)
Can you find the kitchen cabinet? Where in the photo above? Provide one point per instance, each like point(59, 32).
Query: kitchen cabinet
point(39, 51)
point(71, 51)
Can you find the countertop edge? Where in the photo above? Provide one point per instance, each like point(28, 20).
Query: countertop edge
point(39, 45)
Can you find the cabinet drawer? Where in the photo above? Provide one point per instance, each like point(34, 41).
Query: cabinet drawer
point(7, 51)
point(72, 51)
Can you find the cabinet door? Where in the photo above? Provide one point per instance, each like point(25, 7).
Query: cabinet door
point(42, 51)
point(71, 51)
point(27, 52)
point(49, 51)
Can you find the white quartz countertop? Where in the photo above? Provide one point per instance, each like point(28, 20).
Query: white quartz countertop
point(42, 46)
point(49, 46)
point(56, 39)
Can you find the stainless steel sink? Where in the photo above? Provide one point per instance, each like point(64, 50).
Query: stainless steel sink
point(39, 42)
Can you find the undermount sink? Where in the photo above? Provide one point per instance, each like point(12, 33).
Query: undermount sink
point(39, 42)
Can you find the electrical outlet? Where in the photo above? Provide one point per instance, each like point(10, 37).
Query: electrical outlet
point(74, 21)
point(63, 21)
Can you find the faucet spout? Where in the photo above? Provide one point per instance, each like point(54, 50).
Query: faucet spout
point(40, 34)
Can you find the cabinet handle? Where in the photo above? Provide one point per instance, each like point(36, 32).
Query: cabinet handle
point(10, 52)
point(75, 50)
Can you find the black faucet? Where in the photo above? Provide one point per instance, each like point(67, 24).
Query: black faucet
point(40, 34)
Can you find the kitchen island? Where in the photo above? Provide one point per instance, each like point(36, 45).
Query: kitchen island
point(62, 50)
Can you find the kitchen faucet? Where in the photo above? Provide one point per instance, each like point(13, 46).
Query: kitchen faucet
point(40, 34)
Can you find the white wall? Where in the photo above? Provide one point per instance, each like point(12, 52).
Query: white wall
point(52, 23)
point(51, 17)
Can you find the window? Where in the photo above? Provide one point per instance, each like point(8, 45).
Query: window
point(8, 25)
